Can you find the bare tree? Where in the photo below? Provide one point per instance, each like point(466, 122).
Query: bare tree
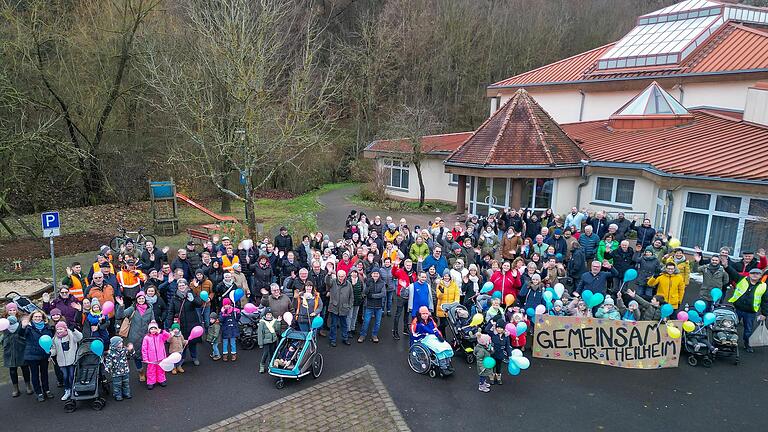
point(246, 87)
point(410, 124)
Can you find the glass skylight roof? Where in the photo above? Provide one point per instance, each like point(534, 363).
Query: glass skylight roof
point(684, 6)
point(654, 100)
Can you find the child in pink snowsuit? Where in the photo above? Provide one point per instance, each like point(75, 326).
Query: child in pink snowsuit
point(153, 352)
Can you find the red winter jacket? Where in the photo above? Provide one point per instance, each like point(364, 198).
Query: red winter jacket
point(403, 277)
point(506, 283)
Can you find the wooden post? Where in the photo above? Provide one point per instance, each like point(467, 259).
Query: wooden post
point(461, 195)
point(517, 193)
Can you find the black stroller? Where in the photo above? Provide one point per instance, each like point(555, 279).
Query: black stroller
point(463, 335)
point(725, 337)
point(90, 379)
point(699, 347)
point(249, 324)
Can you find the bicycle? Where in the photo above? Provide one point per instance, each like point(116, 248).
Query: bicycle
point(118, 241)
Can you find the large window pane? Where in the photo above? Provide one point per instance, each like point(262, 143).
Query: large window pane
point(625, 190)
point(527, 198)
point(728, 204)
point(698, 200)
point(755, 235)
point(758, 207)
point(499, 192)
point(722, 232)
point(694, 229)
point(604, 189)
point(388, 176)
point(404, 173)
point(544, 193)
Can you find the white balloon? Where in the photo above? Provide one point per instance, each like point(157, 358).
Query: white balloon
point(166, 366)
point(288, 318)
point(522, 362)
point(559, 290)
point(517, 353)
point(4, 324)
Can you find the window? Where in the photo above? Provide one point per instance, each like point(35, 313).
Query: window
point(454, 179)
point(396, 174)
point(615, 191)
point(537, 193)
point(712, 221)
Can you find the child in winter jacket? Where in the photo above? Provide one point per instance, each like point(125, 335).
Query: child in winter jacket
point(230, 329)
point(64, 350)
point(494, 310)
point(519, 341)
point(557, 309)
point(483, 349)
point(176, 344)
point(501, 348)
point(608, 310)
point(116, 363)
point(214, 335)
point(268, 331)
point(153, 352)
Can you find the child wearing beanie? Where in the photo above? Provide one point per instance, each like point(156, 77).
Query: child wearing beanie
point(268, 332)
point(14, 344)
point(214, 335)
point(483, 349)
point(230, 329)
point(153, 352)
point(176, 344)
point(116, 363)
point(64, 351)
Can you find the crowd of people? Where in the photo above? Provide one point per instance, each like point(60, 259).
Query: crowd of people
point(379, 267)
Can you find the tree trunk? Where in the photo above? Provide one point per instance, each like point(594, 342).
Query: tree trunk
point(249, 207)
point(417, 164)
point(226, 200)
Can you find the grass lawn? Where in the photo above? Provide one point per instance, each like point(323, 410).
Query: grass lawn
point(299, 214)
point(403, 206)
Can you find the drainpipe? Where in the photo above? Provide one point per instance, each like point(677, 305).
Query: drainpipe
point(585, 178)
point(581, 105)
point(682, 94)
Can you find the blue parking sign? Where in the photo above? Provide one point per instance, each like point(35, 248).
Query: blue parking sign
point(50, 223)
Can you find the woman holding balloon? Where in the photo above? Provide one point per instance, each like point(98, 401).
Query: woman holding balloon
point(183, 309)
point(139, 315)
point(39, 338)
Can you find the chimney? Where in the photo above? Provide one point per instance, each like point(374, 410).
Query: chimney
point(756, 107)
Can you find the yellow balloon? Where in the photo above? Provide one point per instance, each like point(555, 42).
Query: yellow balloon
point(689, 326)
point(477, 319)
point(673, 332)
point(674, 243)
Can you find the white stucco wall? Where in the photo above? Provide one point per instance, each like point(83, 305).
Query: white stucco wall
point(436, 182)
point(643, 199)
point(564, 105)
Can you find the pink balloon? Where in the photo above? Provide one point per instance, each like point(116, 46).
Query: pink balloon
point(4, 324)
point(250, 308)
point(196, 332)
point(541, 310)
point(682, 316)
point(510, 328)
point(173, 358)
point(107, 307)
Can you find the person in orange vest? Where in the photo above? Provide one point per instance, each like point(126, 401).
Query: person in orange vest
point(229, 259)
point(130, 280)
point(101, 260)
point(75, 281)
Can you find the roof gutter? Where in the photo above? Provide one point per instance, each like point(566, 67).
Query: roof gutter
point(652, 77)
point(653, 170)
point(508, 167)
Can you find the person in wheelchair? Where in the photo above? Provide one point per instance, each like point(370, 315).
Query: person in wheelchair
point(424, 330)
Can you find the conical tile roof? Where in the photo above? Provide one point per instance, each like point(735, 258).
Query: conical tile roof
point(520, 133)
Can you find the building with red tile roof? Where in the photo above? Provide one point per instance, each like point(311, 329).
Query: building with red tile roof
point(670, 123)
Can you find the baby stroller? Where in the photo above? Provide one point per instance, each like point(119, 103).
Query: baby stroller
point(249, 323)
point(90, 379)
point(463, 335)
point(699, 347)
point(295, 357)
point(24, 304)
point(725, 337)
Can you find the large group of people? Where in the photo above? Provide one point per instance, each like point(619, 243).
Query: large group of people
point(379, 266)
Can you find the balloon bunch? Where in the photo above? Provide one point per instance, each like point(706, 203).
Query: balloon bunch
point(236, 295)
point(167, 364)
point(592, 299)
point(517, 362)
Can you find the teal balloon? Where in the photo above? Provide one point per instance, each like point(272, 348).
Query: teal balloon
point(709, 318)
point(667, 310)
point(97, 347)
point(630, 275)
point(317, 322)
point(204, 296)
point(513, 368)
point(549, 295)
point(487, 287)
point(497, 294)
point(700, 306)
point(489, 362)
point(716, 294)
point(586, 295)
point(531, 312)
point(45, 342)
point(521, 362)
point(596, 300)
point(239, 293)
point(694, 316)
point(521, 328)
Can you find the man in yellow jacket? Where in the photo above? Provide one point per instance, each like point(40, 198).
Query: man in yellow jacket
point(670, 285)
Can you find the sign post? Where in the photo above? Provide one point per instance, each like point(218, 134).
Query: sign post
point(50, 223)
